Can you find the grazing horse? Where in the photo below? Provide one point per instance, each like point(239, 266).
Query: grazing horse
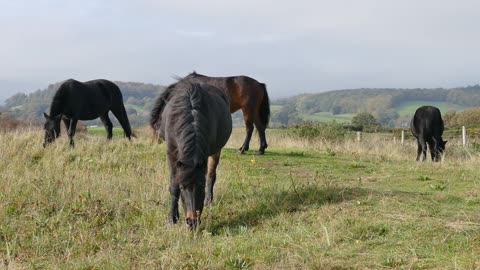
point(427, 127)
point(247, 94)
point(194, 120)
point(75, 101)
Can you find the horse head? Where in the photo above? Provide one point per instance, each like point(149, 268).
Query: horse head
point(51, 127)
point(192, 191)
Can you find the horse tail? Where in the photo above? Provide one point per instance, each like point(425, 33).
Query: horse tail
point(265, 107)
point(128, 127)
point(116, 97)
point(158, 107)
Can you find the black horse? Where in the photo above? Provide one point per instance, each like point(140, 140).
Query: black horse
point(250, 96)
point(75, 101)
point(194, 120)
point(427, 127)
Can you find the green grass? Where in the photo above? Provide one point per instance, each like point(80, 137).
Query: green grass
point(275, 108)
point(303, 205)
point(100, 131)
point(409, 108)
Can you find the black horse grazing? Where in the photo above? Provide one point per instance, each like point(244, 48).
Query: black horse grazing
point(75, 101)
point(427, 127)
point(247, 94)
point(194, 120)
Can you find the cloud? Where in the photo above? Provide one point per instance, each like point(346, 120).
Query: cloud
point(195, 34)
point(291, 45)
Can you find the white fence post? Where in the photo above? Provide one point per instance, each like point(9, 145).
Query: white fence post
point(464, 136)
point(359, 136)
point(403, 137)
point(394, 140)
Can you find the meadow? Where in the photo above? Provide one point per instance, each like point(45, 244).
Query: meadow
point(305, 204)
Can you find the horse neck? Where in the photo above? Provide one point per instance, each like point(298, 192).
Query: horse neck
point(56, 107)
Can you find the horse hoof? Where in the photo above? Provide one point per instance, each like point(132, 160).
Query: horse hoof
point(239, 151)
point(260, 152)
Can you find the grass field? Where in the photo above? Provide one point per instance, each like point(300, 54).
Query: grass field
point(100, 131)
point(404, 109)
point(303, 205)
point(409, 108)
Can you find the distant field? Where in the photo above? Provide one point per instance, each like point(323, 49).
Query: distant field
point(408, 108)
point(327, 117)
point(275, 108)
point(404, 109)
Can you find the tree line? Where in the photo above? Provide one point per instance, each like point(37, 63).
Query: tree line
point(378, 102)
point(140, 97)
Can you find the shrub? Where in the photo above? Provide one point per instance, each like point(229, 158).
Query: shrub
point(318, 130)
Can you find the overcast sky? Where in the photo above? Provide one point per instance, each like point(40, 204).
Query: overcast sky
point(293, 46)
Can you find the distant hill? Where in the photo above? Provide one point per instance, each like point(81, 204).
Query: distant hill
point(138, 99)
point(392, 107)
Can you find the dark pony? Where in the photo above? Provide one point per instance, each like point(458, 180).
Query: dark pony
point(194, 120)
point(247, 94)
point(75, 101)
point(427, 127)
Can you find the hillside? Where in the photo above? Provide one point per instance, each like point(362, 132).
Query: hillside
point(391, 107)
point(138, 99)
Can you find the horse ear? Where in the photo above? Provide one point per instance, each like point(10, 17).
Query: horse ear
point(46, 116)
point(445, 142)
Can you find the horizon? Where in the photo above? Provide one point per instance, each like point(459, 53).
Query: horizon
point(320, 47)
point(3, 99)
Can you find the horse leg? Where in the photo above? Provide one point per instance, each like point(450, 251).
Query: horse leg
point(122, 118)
point(66, 121)
point(249, 130)
point(423, 144)
point(419, 150)
point(108, 125)
point(212, 176)
point(175, 194)
point(173, 215)
point(433, 149)
point(71, 131)
point(261, 135)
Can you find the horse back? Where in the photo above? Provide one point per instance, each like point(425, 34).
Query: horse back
point(427, 122)
point(86, 100)
point(212, 117)
point(242, 91)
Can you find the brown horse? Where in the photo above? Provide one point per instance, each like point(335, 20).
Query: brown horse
point(247, 94)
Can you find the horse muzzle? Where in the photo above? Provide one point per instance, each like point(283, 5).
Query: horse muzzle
point(193, 219)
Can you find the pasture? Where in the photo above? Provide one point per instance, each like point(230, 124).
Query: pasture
point(406, 108)
point(302, 205)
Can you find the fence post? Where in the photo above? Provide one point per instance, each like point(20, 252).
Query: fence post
point(403, 137)
point(359, 136)
point(464, 136)
point(394, 140)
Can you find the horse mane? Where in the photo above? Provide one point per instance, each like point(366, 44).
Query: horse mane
point(190, 124)
point(57, 101)
point(194, 74)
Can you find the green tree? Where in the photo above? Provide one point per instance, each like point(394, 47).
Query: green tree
point(363, 120)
